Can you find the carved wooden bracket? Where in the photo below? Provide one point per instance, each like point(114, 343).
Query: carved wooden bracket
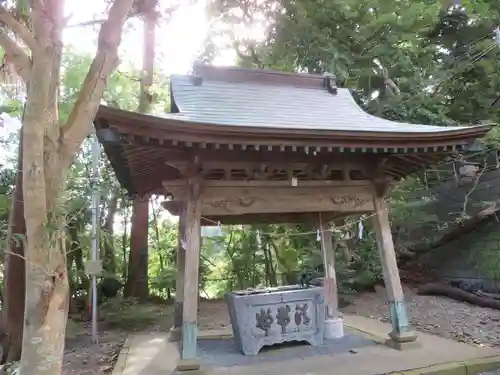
point(187, 169)
point(195, 186)
point(382, 186)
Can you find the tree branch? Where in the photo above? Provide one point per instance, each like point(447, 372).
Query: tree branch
point(15, 55)
point(87, 23)
point(80, 119)
point(17, 27)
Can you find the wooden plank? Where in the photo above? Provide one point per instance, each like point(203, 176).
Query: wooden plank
point(192, 262)
point(174, 208)
point(230, 201)
point(260, 200)
point(172, 184)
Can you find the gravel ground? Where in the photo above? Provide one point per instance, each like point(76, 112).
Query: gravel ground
point(432, 314)
point(436, 315)
point(82, 357)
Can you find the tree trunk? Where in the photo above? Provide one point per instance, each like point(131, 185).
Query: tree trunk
point(125, 240)
point(437, 289)
point(47, 287)
point(48, 152)
point(137, 280)
point(270, 270)
point(77, 250)
point(14, 275)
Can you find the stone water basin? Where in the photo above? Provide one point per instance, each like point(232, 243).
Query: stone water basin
point(263, 317)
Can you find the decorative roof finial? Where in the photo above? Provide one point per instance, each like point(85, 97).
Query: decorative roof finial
point(196, 77)
point(330, 83)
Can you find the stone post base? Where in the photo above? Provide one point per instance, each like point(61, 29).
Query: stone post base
point(190, 367)
point(334, 328)
point(175, 334)
point(402, 341)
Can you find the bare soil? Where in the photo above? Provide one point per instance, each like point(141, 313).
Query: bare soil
point(82, 357)
point(435, 315)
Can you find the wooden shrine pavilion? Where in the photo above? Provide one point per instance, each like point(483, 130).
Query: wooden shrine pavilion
point(245, 146)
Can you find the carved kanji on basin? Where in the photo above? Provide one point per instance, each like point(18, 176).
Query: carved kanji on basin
point(283, 317)
point(266, 317)
point(301, 315)
point(264, 320)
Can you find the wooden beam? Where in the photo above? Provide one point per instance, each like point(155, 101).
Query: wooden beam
point(270, 165)
point(401, 332)
point(282, 218)
point(179, 277)
point(191, 244)
point(223, 201)
point(172, 184)
point(174, 208)
point(175, 152)
point(330, 280)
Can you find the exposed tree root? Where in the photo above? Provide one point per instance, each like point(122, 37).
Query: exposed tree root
point(456, 231)
point(439, 289)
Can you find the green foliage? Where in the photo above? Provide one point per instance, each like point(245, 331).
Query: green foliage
point(409, 216)
point(128, 314)
point(7, 182)
point(270, 255)
point(162, 249)
point(407, 61)
point(11, 368)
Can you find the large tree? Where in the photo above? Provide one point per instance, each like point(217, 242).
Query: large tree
point(31, 37)
point(410, 60)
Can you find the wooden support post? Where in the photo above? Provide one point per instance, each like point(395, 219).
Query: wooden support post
point(402, 335)
point(330, 281)
point(191, 245)
point(175, 334)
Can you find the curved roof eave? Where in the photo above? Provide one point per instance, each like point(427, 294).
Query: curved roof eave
point(180, 123)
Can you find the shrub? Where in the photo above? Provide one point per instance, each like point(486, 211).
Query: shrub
point(128, 314)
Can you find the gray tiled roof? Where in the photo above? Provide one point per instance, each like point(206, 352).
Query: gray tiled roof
point(279, 106)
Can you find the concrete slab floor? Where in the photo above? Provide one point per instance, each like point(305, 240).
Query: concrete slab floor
point(223, 353)
point(153, 354)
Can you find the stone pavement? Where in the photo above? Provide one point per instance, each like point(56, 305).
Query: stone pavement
point(153, 354)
